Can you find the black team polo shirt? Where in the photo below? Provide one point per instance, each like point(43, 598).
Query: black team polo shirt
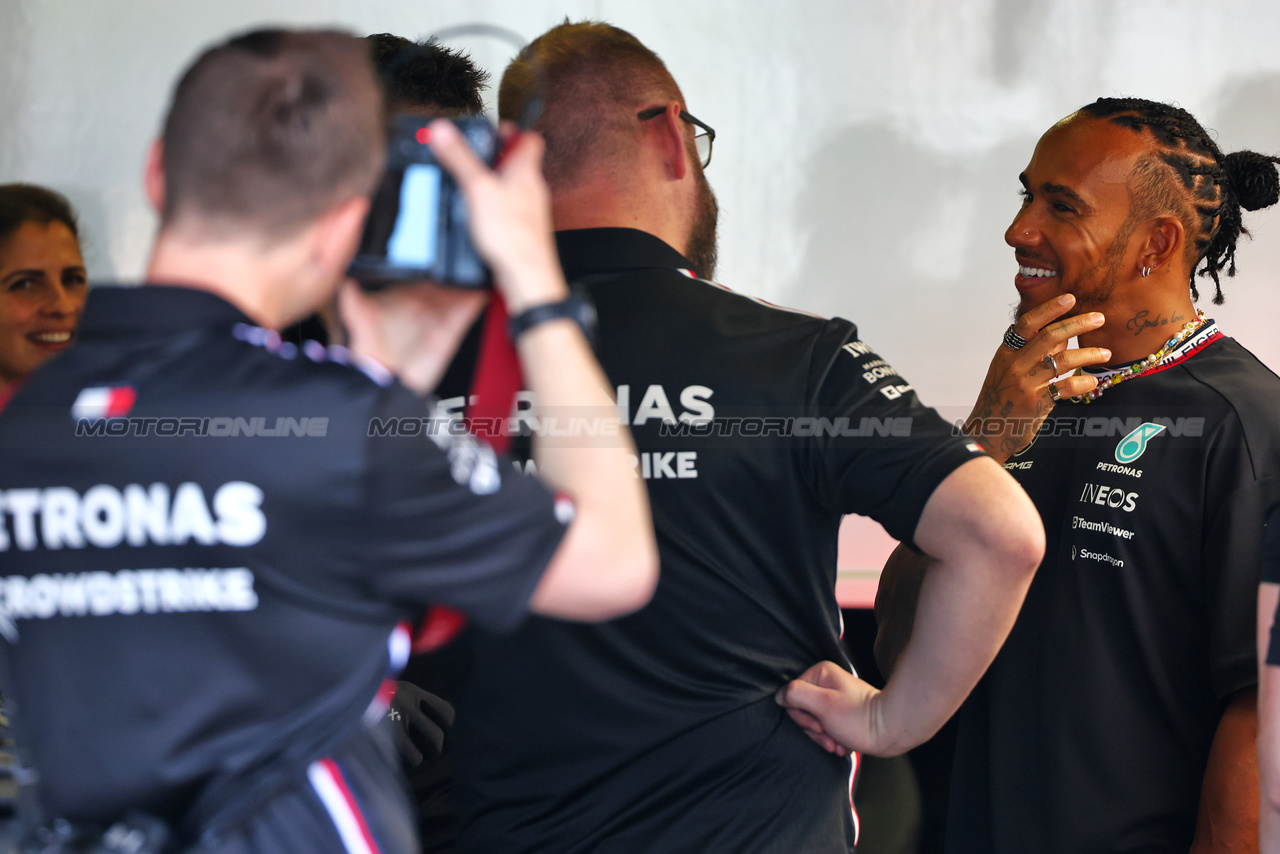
point(757, 428)
point(206, 548)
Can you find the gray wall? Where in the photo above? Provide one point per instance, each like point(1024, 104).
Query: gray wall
point(868, 151)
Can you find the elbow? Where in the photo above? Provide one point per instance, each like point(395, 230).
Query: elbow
point(644, 580)
point(600, 572)
point(634, 558)
point(1271, 793)
point(637, 579)
point(1269, 784)
point(1025, 549)
point(1016, 540)
point(633, 579)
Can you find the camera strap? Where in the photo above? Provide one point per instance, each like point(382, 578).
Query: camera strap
point(496, 380)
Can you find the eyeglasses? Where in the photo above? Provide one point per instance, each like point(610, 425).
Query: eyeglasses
point(703, 137)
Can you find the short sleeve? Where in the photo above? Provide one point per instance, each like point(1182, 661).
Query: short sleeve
point(874, 448)
point(450, 521)
point(1233, 554)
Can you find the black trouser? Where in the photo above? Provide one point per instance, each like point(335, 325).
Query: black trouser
point(351, 801)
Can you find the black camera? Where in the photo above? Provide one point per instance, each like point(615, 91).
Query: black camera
point(417, 225)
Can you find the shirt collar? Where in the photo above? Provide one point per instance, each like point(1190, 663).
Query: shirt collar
point(604, 250)
point(1205, 335)
point(113, 310)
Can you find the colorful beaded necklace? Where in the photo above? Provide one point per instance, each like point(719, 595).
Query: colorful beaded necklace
point(1140, 367)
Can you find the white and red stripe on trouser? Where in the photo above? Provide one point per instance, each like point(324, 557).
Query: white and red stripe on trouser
point(855, 760)
point(331, 787)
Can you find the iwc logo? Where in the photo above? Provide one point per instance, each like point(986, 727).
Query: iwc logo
point(1135, 444)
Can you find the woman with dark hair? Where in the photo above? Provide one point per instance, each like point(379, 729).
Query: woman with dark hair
point(42, 280)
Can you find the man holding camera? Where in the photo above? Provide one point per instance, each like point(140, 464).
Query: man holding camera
point(757, 429)
point(210, 549)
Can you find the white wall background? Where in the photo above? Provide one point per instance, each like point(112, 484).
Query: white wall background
point(868, 151)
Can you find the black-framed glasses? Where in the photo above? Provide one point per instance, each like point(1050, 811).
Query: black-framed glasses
point(703, 137)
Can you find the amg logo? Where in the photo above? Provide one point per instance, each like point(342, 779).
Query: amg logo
point(1108, 496)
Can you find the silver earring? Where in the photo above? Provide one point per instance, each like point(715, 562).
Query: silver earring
point(1146, 271)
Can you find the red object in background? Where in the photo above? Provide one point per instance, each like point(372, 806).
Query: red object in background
point(440, 625)
point(496, 381)
point(864, 547)
point(7, 392)
point(493, 395)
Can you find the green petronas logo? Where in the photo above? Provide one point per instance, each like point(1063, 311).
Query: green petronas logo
point(1132, 446)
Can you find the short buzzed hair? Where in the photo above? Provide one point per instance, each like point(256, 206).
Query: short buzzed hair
point(596, 78)
point(270, 129)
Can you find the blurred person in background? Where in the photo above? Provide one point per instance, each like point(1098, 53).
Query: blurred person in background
point(42, 280)
point(426, 79)
point(244, 707)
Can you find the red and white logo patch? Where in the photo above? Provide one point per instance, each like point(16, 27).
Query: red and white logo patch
point(93, 404)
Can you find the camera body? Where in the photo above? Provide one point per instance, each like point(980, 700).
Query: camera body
point(417, 224)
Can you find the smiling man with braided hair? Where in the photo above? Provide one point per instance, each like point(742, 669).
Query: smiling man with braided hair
point(1120, 714)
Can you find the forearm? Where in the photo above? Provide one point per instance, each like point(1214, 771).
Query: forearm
point(986, 540)
point(610, 544)
point(967, 606)
point(606, 565)
point(1228, 816)
point(594, 463)
point(568, 384)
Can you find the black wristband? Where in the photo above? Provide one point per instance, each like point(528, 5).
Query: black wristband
point(576, 307)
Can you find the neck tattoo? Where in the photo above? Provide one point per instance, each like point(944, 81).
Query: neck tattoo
point(1142, 366)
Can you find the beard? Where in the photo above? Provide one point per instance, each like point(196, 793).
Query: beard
point(1094, 286)
point(700, 248)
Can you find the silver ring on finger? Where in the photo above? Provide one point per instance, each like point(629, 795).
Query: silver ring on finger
point(1053, 392)
point(1051, 363)
point(1013, 340)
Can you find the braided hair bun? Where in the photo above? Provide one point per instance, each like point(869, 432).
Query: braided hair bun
point(1252, 178)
